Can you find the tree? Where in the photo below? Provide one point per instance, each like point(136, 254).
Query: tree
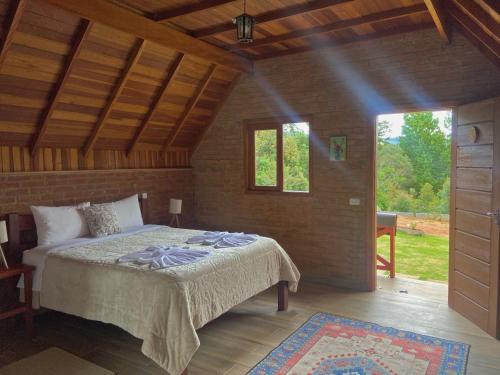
point(427, 147)
point(265, 157)
point(395, 176)
point(295, 158)
point(428, 201)
point(383, 130)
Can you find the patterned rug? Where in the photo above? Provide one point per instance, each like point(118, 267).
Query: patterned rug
point(333, 345)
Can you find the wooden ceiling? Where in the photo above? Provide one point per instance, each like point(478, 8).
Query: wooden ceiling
point(152, 74)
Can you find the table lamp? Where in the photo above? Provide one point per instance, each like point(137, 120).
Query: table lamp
point(175, 211)
point(3, 239)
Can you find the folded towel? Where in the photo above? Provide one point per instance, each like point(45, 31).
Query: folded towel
point(158, 257)
point(223, 239)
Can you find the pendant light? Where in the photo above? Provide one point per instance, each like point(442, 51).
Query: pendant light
point(244, 26)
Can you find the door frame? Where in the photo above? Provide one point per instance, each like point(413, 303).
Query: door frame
point(371, 264)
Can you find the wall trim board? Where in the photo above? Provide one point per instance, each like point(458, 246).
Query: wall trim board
point(94, 171)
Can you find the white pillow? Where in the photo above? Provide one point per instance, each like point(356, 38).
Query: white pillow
point(128, 212)
point(59, 224)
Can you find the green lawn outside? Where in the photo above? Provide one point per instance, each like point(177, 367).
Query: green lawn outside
point(423, 257)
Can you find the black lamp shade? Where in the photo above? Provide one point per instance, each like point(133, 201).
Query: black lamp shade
point(244, 28)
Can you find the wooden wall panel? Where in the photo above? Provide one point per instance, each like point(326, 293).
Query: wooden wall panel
point(474, 246)
point(472, 267)
point(472, 289)
point(475, 224)
point(471, 310)
point(17, 159)
point(474, 178)
point(474, 201)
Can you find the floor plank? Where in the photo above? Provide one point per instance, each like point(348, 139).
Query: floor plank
point(235, 342)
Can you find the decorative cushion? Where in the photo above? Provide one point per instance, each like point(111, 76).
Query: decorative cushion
point(102, 220)
point(128, 212)
point(59, 224)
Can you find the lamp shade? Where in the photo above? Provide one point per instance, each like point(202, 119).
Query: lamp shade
point(244, 28)
point(175, 206)
point(3, 232)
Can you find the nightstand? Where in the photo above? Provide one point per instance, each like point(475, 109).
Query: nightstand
point(21, 308)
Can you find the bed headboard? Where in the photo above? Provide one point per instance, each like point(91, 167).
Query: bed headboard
point(22, 231)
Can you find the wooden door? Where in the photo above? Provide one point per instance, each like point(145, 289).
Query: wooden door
point(475, 199)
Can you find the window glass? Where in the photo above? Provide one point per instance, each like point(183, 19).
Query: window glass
point(296, 157)
point(266, 157)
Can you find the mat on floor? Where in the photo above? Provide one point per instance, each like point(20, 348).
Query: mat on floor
point(333, 345)
point(53, 361)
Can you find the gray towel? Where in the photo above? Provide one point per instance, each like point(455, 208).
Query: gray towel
point(223, 239)
point(164, 256)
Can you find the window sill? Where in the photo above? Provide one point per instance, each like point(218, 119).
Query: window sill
point(303, 194)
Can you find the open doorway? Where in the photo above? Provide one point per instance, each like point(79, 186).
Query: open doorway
point(413, 165)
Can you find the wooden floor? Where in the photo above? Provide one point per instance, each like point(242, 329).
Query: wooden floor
point(237, 341)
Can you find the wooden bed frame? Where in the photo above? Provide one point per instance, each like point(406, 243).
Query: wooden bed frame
point(22, 236)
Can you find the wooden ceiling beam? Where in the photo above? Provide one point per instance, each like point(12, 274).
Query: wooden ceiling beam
point(14, 18)
point(478, 15)
point(172, 73)
point(488, 43)
point(335, 26)
point(188, 9)
point(189, 107)
point(79, 40)
point(119, 18)
point(115, 94)
point(492, 7)
point(215, 112)
point(356, 39)
point(440, 18)
point(274, 15)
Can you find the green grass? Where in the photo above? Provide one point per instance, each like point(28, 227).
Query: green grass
point(424, 257)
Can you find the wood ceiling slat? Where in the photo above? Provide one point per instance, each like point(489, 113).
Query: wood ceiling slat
point(357, 38)
point(472, 29)
point(14, 20)
point(189, 108)
point(132, 61)
point(82, 35)
point(124, 20)
point(476, 13)
point(492, 7)
point(174, 70)
point(274, 15)
point(188, 9)
point(335, 26)
point(439, 17)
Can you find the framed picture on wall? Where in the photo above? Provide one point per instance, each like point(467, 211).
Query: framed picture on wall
point(338, 148)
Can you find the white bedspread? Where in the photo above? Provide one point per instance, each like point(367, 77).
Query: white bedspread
point(36, 256)
point(163, 307)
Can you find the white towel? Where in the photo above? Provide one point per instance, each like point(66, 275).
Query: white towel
point(158, 257)
point(223, 239)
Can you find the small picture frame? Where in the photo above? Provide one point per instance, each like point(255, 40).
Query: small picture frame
point(338, 148)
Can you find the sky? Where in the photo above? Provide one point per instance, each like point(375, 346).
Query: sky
point(396, 122)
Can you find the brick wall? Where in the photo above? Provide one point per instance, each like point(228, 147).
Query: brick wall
point(343, 89)
point(20, 190)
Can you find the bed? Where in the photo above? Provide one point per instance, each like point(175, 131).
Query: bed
point(162, 307)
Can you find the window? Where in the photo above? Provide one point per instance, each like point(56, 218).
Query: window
point(278, 156)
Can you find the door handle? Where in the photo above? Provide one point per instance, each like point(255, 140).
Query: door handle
point(495, 214)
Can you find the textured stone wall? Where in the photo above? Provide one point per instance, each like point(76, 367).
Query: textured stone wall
point(343, 89)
